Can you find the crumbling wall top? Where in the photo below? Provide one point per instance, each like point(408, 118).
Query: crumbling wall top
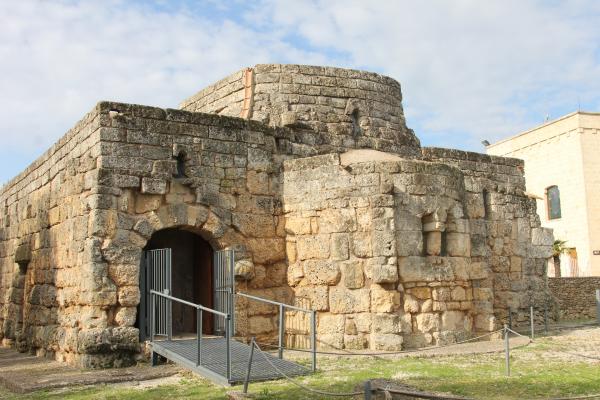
point(349, 108)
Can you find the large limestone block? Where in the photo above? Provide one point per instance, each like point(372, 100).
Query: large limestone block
point(352, 273)
point(387, 273)
point(361, 244)
point(126, 316)
point(298, 225)
point(362, 321)
point(129, 296)
point(321, 272)
point(330, 341)
point(409, 243)
point(124, 274)
point(316, 246)
point(420, 269)
point(383, 243)
point(386, 323)
point(330, 323)
point(427, 322)
point(337, 220)
point(355, 342)
point(339, 246)
point(154, 186)
point(343, 301)
point(453, 321)
point(411, 304)
point(458, 244)
point(254, 225)
point(383, 300)
point(317, 296)
point(266, 250)
point(386, 341)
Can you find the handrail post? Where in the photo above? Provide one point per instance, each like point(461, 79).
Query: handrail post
point(169, 320)
point(199, 334)
point(281, 329)
point(313, 339)
point(507, 350)
point(531, 318)
point(228, 347)
point(231, 311)
point(152, 316)
point(546, 318)
point(247, 380)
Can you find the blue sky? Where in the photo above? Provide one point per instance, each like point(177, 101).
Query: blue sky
point(469, 69)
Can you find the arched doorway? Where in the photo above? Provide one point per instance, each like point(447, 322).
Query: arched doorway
point(191, 279)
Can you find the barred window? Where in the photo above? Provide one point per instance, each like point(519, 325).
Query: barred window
point(553, 202)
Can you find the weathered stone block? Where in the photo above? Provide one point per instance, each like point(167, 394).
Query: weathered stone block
point(352, 273)
point(384, 273)
point(383, 243)
point(321, 272)
point(154, 186)
point(317, 246)
point(427, 322)
point(383, 300)
point(386, 342)
point(337, 220)
point(342, 300)
point(317, 296)
point(339, 246)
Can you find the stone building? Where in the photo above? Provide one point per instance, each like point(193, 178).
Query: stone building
point(561, 170)
point(312, 175)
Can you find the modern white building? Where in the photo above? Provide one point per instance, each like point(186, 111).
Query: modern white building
point(562, 171)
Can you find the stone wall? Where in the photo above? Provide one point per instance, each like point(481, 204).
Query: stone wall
point(48, 286)
point(576, 297)
point(349, 108)
point(505, 229)
point(398, 253)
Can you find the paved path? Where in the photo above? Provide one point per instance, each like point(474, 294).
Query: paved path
point(23, 373)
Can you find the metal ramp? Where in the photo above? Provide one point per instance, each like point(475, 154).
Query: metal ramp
point(221, 359)
point(213, 361)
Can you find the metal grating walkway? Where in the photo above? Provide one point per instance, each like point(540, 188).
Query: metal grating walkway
point(213, 366)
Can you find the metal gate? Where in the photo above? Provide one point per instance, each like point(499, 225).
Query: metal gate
point(224, 288)
point(157, 277)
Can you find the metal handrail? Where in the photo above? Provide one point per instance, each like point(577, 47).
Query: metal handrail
point(199, 310)
point(276, 303)
point(197, 306)
point(282, 306)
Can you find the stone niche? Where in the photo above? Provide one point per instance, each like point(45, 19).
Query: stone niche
point(312, 176)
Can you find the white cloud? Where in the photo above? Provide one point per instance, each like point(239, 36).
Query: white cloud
point(485, 69)
point(469, 69)
point(60, 58)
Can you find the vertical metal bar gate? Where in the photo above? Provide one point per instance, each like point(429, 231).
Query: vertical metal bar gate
point(224, 288)
point(158, 278)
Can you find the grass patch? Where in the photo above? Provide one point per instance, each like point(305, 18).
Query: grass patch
point(535, 374)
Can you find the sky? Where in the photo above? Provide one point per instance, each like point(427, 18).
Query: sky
point(470, 70)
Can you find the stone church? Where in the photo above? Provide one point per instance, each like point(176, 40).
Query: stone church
point(311, 175)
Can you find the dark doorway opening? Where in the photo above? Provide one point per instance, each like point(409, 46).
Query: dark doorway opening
point(191, 277)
